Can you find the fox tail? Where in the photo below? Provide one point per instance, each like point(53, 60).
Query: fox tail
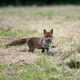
point(17, 42)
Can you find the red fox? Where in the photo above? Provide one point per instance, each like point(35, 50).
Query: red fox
point(36, 42)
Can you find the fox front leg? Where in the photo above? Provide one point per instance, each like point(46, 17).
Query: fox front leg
point(43, 50)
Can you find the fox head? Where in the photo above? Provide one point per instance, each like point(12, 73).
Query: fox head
point(48, 36)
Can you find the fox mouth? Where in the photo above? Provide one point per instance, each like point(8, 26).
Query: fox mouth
point(47, 42)
point(47, 45)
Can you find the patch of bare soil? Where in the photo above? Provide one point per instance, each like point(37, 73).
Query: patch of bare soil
point(14, 56)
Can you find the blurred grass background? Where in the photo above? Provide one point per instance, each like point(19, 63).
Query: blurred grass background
point(19, 22)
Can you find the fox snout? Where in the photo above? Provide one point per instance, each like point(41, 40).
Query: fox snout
point(48, 40)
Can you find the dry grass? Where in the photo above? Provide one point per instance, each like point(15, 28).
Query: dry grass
point(25, 21)
point(18, 22)
point(30, 21)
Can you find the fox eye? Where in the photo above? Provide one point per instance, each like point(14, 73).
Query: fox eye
point(48, 36)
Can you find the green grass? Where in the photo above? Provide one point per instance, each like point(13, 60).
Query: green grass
point(16, 33)
point(43, 14)
point(42, 70)
point(6, 34)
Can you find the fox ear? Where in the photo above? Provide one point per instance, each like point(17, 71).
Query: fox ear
point(44, 31)
point(51, 31)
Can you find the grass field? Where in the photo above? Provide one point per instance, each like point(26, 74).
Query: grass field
point(19, 22)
